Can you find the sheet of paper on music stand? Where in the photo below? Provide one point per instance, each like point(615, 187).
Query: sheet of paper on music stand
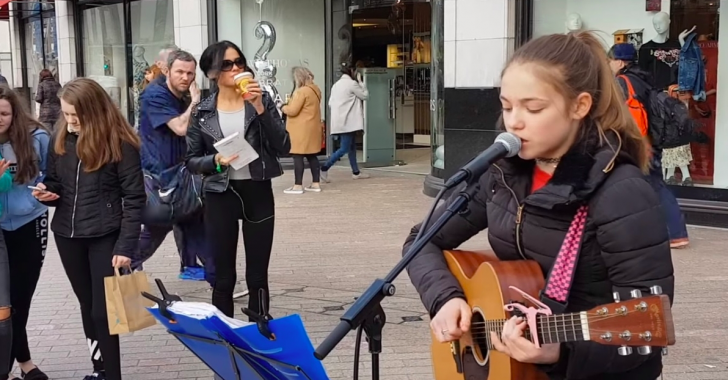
point(236, 144)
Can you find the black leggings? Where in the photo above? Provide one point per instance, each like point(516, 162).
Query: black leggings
point(26, 252)
point(253, 203)
point(6, 324)
point(87, 261)
point(313, 162)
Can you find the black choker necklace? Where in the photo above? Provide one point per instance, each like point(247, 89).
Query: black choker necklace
point(552, 161)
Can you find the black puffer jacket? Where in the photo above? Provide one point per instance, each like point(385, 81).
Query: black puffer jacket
point(625, 244)
point(265, 132)
point(97, 203)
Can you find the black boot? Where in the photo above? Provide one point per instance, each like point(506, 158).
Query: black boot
point(97, 375)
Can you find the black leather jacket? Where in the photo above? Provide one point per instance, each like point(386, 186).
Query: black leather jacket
point(265, 132)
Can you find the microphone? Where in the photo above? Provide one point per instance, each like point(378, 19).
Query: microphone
point(505, 145)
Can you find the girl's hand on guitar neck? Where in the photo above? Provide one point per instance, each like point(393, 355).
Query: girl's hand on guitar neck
point(513, 344)
point(452, 321)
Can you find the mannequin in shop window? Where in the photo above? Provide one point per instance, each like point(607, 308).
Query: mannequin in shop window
point(691, 81)
point(660, 56)
point(139, 69)
point(573, 22)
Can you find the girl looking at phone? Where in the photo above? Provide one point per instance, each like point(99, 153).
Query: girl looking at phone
point(24, 222)
point(95, 182)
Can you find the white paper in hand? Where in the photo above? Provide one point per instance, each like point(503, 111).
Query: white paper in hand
point(236, 144)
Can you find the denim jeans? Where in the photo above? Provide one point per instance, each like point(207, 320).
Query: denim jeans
point(675, 221)
point(347, 145)
point(191, 245)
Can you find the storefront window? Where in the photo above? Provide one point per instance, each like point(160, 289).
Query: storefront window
point(275, 36)
point(437, 85)
point(41, 46)
point(119, 65)
point(104, 52)
point(658, 30)
point(33, 53)
point(152, 29)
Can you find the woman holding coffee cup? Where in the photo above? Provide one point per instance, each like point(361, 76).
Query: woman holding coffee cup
point(241, 106)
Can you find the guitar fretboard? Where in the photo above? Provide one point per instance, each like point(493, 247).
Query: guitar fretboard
point(571, 327)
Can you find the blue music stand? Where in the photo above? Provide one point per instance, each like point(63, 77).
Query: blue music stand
point(241, 353)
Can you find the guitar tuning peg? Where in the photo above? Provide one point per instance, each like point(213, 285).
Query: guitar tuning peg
point(644, 350)
point(636, 293)
point(656, 290)
point(616, 296)
point(624, 350)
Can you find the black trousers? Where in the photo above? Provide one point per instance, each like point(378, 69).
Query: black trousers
point(253, 203)
point(87, 261)
point(298, 167)
point(6, 322)
point(26, 252)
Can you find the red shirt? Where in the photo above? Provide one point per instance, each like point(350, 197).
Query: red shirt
point(540, 178)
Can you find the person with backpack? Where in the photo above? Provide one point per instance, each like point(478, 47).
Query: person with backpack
point(650, 108)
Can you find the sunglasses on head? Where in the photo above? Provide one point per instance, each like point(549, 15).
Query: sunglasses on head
point(227, 64)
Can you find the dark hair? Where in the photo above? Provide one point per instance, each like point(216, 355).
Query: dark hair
point(211, 59)
point(20, 137)
point(103, 128)
point(45, 73)
point(180, 55)
point(576, 63)
point(348, 69)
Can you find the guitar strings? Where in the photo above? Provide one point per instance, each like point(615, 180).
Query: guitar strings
point(548, 326)
point(576, 318)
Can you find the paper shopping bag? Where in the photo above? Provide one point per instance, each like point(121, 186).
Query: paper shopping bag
point(125, 306)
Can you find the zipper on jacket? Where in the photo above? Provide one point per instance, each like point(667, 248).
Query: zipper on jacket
point(75, 199)
point(519, 214)
point(262, 159)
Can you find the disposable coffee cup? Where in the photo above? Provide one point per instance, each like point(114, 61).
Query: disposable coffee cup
point(241, 80)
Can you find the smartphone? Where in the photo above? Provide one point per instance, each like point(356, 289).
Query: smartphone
point(37, 188)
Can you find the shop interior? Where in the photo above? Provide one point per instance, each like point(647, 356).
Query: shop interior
point(658, 29)
point(396, 38)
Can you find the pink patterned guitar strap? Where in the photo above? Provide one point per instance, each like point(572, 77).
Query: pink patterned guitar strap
point(558, 284)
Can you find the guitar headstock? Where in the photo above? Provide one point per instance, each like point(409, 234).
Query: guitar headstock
point(642, 322)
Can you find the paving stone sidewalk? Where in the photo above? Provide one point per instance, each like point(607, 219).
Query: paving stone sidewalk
point(328, 249)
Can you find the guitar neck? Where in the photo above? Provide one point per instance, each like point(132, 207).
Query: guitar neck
point(570, 327)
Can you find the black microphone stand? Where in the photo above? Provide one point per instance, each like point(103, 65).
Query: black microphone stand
point(367, 312)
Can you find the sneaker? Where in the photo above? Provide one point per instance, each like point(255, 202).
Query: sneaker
point(687, 182)
point(34, 374)
point(679, 243)
point(96, 376)
point(192, 274)
point(325, 176)
point(672, 181)
point(313, 189)
point(291, 190)
point(360, 176)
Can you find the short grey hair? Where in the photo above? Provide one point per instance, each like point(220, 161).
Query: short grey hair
point(164, 53)
point(180, 55)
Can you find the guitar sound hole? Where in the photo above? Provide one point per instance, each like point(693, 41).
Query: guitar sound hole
point(480, 333)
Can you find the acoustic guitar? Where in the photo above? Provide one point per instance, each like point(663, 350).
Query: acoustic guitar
point(493, 287)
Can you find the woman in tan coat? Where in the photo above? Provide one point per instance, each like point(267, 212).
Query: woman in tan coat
point(304, 128)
